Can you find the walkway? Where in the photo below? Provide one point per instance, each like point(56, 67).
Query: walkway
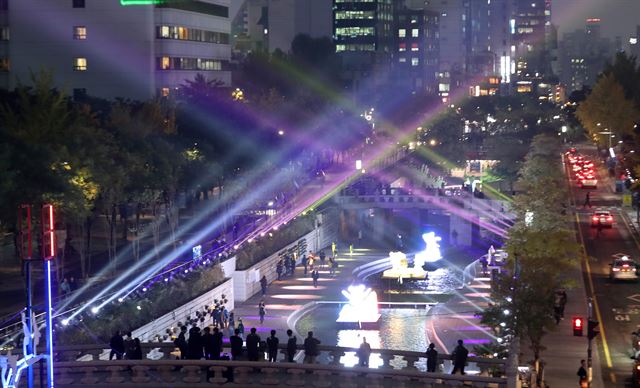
point(290, 294)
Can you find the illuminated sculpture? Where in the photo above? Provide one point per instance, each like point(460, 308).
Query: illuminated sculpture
point(12, 366)
point(399, 265)
point(362, 307)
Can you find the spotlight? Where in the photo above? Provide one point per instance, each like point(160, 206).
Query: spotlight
point(144, 289)
point(186, 270)
point(509, 299)
point(65, 322)
point(250, 240)
point(502, 324)
point(138, 307)
point(95, 309)
point(275, 228)
point(120, 300)
point(236, 246)
point(500, 340)
point(262, 234)
point(166, 280)
point(506, 312)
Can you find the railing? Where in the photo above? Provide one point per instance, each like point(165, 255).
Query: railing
point(195, 373)
point(330, 355)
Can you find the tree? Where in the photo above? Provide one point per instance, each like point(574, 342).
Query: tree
point(625, 70)
point(607, 109)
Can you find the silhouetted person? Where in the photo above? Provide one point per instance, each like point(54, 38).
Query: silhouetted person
point(263, 285)
point(582, 374)
point(315, 275)
point(459, 356)
point(207, 343)
point(181, 342)
point(195, 344)
point(117, 346)
point(364, 352)
point(432, 358)
point(253, 340)
point(292, 343)
point(216, 344)
point(262, 310)
point(310, 348)
point(129, 346)
point(272, 346)
point(587, 200)
point(236, 345)
point(136, 353)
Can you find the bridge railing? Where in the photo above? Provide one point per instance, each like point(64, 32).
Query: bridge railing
point(195, 373)
point(329, 355)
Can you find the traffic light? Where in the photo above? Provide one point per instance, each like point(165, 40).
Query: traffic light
point(592, 329)
point(578, 324)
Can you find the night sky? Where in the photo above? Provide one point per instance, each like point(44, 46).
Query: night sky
point(619, 17)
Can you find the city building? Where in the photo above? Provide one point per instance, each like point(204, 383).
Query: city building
point(634, 43)
point(362, 33)
point(582, 55)
point(532, 38)
point(272, 25)
point(416, 50)
point(116, 48)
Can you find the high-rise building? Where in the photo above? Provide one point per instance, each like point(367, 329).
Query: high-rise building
point(582, 56)
point(531, 30)
point(362, 33)
point(634, 43)
point(416, 49)
point(272, 25)
point(117, 48)
point(4, 44)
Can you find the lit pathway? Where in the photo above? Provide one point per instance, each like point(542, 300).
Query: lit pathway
point(456, 318)
point(290, 294)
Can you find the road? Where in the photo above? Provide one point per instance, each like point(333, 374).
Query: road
point(617, 304)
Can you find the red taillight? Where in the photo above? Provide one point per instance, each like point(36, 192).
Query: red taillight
point(595, 218)
point(616, 269)
point(625, 265)
point(609, 218)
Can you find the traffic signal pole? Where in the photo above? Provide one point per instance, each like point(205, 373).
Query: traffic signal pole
point(590, 340)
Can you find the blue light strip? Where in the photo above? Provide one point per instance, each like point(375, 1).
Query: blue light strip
point(49, 321)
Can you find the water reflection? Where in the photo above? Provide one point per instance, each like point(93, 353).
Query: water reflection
point(399, 329)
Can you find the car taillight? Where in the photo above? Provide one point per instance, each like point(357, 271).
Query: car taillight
point(616, 269)
point(625, 265)
point(609, 218)
point(637, 367)
point(595, 218)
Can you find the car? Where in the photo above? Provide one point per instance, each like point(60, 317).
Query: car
point(589, 183)
point(587, 164)
point(623, 268)
point(602, 217)
point(572, 151)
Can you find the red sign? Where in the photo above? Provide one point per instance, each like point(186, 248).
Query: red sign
point(48, 233)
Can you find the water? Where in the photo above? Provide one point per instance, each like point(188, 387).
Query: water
point(403, 329)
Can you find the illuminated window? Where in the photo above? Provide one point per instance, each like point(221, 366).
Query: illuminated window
point(4, 65)
point(80, 64)
point(164, 32)
point(80, 32)
point(402, 60)
point(165, 63)
point(414, 47)
point(182, 33)
point(415, 61)
point(402, 33)
point(4, 32)
point(402, 47)
point(415, 32)
point(164, 92)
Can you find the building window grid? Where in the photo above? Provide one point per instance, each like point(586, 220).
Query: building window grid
point(191, 34)
point(183, 63)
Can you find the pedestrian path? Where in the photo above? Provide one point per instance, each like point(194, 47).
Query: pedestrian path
point(457, 318)
point(290, 294)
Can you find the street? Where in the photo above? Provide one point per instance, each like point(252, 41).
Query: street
point(617, 304)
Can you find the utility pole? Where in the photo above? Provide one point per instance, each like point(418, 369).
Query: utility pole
point(589, 355)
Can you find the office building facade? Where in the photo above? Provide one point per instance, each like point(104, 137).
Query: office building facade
point(110, 49)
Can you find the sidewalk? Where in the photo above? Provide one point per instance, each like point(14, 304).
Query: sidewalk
point(291, 294)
